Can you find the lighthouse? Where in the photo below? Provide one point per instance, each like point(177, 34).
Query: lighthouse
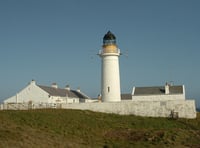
point(110, 76)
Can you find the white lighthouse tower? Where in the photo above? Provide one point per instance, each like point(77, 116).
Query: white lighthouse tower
point(110, 77)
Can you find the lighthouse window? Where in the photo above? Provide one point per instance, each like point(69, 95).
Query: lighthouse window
point(108, 89)
point(108, 42)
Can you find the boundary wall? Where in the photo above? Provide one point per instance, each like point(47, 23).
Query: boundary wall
point(178, 108)
point(182, 108)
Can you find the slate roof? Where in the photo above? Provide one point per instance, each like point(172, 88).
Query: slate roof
point(158, 90)
point(62, 92)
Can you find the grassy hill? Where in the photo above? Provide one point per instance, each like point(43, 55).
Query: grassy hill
point(74, 128)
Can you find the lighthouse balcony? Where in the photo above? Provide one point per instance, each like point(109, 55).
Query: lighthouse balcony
point(106, 51)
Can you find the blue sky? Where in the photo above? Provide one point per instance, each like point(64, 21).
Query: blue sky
point(57, 41)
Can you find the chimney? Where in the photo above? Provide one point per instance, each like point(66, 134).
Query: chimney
point(32, 82)
point(166, 88)
point(78, 89)
point(54, 85)
point(67, 87)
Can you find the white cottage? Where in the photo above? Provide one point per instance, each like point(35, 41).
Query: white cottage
point(159, 93)
point(35, 94)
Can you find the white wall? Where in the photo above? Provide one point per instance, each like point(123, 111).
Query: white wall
point(33, 93)
point(57, 99)
point(30, 93)
point(185, 108)
point(164, 97)
point(72, 100)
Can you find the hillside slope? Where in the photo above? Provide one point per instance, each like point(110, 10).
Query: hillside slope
point(74, 128)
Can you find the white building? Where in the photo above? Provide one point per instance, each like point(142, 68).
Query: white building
point(159, 93)
point(34, 93)
point(110, 77)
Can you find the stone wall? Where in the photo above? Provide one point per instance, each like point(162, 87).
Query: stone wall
point(183, 108)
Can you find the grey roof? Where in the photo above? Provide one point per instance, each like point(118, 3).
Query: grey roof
point(158, 90)
point(62, 92)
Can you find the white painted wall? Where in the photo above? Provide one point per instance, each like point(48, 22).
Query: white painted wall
point(72, 100)
point(110, 81)
point(33, 93)
point(30, 93)
point(57, 99)
point(185, 108)
point(164, 97)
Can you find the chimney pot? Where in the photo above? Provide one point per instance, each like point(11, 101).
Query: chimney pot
point(78, 89)
point(32, 82)
point(166, 88)
point(67, 87)
point(54, 85)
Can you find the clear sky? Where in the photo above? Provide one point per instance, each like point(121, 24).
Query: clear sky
point(57, 41)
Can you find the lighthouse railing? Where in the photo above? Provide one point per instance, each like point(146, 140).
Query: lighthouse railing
point(101, 51)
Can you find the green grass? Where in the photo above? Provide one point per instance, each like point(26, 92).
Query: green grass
point(74, 128)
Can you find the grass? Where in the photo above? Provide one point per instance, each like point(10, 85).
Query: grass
point(74, 128)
